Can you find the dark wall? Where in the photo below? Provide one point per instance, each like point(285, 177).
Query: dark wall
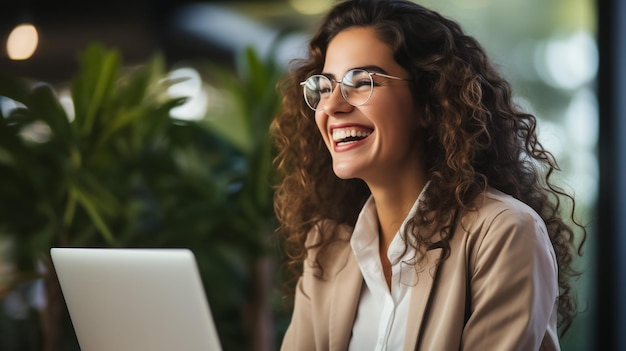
point(611, 238)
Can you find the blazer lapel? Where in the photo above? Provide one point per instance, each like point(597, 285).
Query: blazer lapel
point(420, 298)
point(344, 302)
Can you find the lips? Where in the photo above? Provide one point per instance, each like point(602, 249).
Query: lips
point(349, 135)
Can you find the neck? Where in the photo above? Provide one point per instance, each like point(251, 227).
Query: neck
point(392, 208)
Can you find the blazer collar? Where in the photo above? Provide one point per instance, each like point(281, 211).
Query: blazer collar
point(420, 298)
point(347, 291)
point(345, 299)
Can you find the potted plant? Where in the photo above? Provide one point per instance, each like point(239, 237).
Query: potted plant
point(115, 170)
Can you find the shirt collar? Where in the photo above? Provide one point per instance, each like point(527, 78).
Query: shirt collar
point(366, 228)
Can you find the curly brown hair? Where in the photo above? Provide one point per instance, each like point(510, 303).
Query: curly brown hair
point(476, 137)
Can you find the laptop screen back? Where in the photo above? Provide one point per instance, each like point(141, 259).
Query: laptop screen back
point(135, 299)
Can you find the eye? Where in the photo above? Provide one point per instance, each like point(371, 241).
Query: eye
point(325, 88)
point(357, 79)
point(362, 82)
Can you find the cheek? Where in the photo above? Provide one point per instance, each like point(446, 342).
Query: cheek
point(412, 118)
point(320, 122)
point(405, 122)
point(401, 113)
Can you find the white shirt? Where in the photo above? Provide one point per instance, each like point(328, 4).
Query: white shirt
point(382, 315)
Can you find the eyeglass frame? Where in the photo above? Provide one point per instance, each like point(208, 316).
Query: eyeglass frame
point(341, 86)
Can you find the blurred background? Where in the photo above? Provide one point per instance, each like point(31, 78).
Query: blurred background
point(144, 124)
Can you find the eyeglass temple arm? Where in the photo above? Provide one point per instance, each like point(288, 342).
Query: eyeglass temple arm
point(386, 76)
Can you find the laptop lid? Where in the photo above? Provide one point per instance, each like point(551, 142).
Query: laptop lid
point(135, 299)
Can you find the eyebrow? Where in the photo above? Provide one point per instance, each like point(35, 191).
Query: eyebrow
point(370, 68)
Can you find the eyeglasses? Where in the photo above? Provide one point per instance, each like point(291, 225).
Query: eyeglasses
point(356, 86)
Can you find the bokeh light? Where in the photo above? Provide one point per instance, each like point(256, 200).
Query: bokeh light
point(22, 42)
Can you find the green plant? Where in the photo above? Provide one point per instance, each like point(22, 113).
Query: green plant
point(120, 172)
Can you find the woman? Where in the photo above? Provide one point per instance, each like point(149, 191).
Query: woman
point(416, 204)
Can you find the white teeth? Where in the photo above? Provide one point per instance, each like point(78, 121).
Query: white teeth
point(340, 134)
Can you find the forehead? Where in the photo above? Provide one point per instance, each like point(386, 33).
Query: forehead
point(357, 47)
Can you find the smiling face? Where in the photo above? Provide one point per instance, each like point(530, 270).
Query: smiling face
point(378, 141)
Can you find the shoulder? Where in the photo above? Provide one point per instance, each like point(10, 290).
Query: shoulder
point(496, 207)
point(500, 222)
point(495, 200)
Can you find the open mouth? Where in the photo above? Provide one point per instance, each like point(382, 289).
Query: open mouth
point(343, 136)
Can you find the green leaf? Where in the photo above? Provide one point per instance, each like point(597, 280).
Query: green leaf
point(45, 105)
point(90, 90)
point(88, 204)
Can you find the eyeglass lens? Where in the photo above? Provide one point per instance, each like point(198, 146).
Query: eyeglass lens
point(356, 88)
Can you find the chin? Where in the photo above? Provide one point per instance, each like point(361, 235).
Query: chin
point(345, 173)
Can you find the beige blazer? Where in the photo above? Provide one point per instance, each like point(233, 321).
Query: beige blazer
point(496, 291)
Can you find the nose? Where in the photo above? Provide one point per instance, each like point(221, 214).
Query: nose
point(336, 102)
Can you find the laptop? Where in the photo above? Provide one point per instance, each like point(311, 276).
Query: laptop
point(135, 299)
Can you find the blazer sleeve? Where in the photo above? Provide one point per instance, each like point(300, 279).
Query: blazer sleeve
point(324, 307)
point(513, 285)
point(300, 332)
